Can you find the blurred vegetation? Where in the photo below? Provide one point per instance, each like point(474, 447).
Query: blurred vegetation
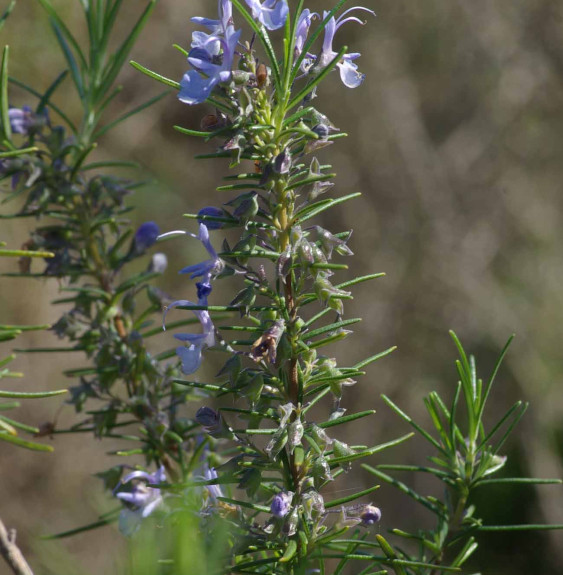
point(456, 142)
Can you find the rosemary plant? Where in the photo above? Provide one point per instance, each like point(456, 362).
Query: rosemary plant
point(248, 477)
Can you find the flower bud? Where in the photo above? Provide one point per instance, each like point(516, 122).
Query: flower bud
point(281, 504)
point(213, 212)
point(159, 263)
point(370, 515)
point(209, 419)
point(282, 162)
point(342, 450)
point(145, 236)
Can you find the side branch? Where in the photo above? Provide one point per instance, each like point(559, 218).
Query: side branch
point(11, 553)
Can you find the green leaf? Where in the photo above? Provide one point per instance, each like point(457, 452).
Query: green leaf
point(404, 488)
point(410, 421)
point(50, 91)
point(6, 13)
point(516, 480)
point(155, 76)
point(195, 133)
point(375, 357)
point(18, 152)
point(4, 103)
point(77, 530)
point(64, 31)
point(69, 57)
point(466, 552)
point(290, 551)
point(361, 454)
point(4, 436)
point(38, 395)
point(26, 328)
point(346, 419)
point(25, 253)
point(313, 210)
point(344, 500)
point(247, 504)
point(493, 375)
point(530, 527)
point(122, 52)
point(18, 425)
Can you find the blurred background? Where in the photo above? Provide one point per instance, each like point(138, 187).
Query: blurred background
point(456, 142)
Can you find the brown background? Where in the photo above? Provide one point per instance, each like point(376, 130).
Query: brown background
point(456, 142)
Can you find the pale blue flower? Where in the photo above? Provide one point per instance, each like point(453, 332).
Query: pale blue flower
point(348, 69)
point(214, 491)
point(21, 119)
point(271, 13)
point(225, 10)
point(143, 500)
point(206, 269)
point(302, 30)
point(211, 66)
point(191, 355)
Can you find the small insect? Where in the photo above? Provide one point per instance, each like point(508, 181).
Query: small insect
point(211, 122)
point(364, 514)
point(46, 429)
point(266, 345)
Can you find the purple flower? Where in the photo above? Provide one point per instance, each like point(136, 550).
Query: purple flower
point(302, 31)
point(145, 236)
point(348, 70)
point(213, 212)
point(214, 490)
point(370, 515)
point(271, 13)
point(142, 499)
point(207, 269)
point(206, 58)
point(21, 119)
point(225, 10)
point(281, 504)
point(191, 355)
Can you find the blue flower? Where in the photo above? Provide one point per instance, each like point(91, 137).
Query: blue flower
point(191, 355)
point(348, 69)
point(302, 30)
point(281, 504)
point(225, 11)
point(21, 119)
point(142, 499)
point(213, 212)
point(212, 58)
point(207, 269)
point(145, 236)
point(214, 491)
point(271, 13)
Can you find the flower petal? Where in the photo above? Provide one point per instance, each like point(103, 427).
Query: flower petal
point(191, 358)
